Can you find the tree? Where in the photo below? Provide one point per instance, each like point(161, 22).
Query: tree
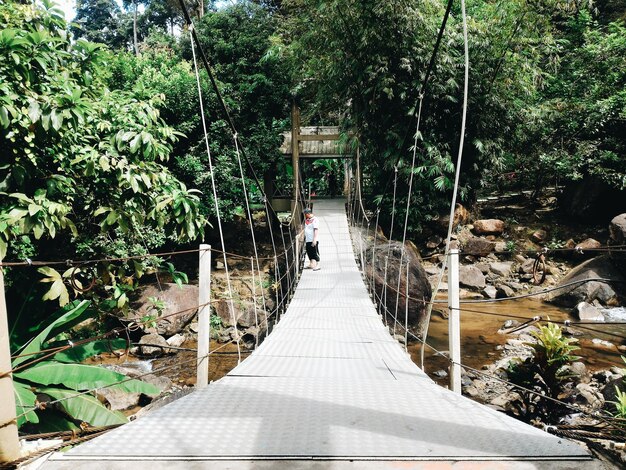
point(238, 42)
point(80, 160)
point(99, 21)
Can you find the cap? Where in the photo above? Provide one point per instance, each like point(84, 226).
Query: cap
point(307, 211)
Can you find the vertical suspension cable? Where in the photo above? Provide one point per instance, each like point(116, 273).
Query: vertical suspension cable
point(406, 308)
point(373, 280)
point(393, 214)
point(408, 199)
point(456, 181)
point(249, 213)
point(217, 209)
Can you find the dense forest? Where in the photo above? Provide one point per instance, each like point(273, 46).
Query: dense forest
point(103, 151)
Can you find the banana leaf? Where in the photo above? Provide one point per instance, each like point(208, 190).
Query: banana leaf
point(24, 403)
point(77, 313)
point(85, 407)
point(82, 377)
point(85, 351)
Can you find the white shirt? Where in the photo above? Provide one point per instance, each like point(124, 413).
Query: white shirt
point(310, 225)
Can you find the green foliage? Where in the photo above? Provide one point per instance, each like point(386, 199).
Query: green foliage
point(61, 378)
point(81, 164)
point(543, 372)
point(575, 127)
point(620, 404)
point(236, 40)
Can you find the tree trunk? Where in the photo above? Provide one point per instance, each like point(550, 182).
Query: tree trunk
point(135, 28)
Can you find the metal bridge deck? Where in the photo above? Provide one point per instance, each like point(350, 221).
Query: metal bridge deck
point(329, 383)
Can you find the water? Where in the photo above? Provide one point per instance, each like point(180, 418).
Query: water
point(615, 314)
point(480, 338)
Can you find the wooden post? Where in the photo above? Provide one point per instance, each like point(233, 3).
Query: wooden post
point(295, 162)
point(204, 316)
point(9, 442)
point(454, 320)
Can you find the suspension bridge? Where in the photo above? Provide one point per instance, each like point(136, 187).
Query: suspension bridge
point(328, 388)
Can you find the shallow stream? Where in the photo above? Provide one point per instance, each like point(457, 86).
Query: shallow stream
point(480, 323)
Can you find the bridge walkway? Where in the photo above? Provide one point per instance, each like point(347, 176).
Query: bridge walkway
point(328, 388)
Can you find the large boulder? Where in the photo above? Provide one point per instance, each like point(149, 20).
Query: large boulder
point(572, 292)
point(488, 227)
point(617, 231)
point(419, 288)
point(181, 301)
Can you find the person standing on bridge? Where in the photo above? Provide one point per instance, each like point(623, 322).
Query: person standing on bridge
point(311, 238)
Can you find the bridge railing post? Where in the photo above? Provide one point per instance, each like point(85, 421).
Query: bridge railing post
point(204, 316)
point(454, 320)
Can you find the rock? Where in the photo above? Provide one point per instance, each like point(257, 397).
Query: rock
point(609, 394)
point(243, 313)
point(461, 217)
point(488, 227)
point(484, 267)
point(119, 400)
point(577, 370)
point(152, 339)
point(617, 230)
point(617, 237)
point(490, 292)
point(176, 299)
point(527, 266)
point(478, 246)
point(504, 291)
point(433, 242)
point(587, 312)
point(159, 381)
point(589, 291)
point(471, 277)
point(603, 345)
point(510, 324)
point(516, 286)
point(432, 270)
point(465, 294)
point(440, 373)
point(519, 258)
point(501, 247)
point(419, 287)
point(501, 269)
point(471, 391)
point(176, 340)
point(588, 244)
point(539, 236)
point(589, 395)
point(504, 399)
